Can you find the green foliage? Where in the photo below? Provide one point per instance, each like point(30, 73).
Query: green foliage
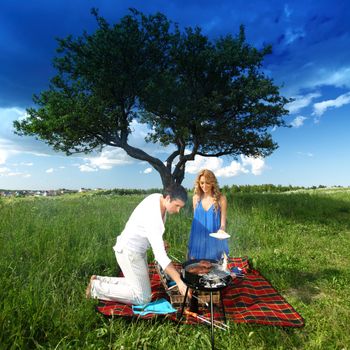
point(126, 191)
point(50, 246)
point(91, 100)
point(214, 99)
point(208, 97)
point(267, 188)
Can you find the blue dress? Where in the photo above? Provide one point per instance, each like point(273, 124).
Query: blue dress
point(201, 245)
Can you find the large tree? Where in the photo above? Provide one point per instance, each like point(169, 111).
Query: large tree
point(204, 97)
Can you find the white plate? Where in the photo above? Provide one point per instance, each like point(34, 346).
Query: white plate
point(221, 235)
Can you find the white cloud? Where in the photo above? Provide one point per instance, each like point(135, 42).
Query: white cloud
point(338, 78)
point(24, 164)
point(301, 102)
point(3, 156)
point(321, 107)
point(199, 163)
point(257, 164)
point(248, 165)
point(15, 173)
point(4, 170)
point(40, 154)
point(287, 11)
point(13, 145)
point(85, 168)
point(294, 34)
point(234, 169)
point(298, 121)
point(6, 150)
point(8, 116)
point(137, 139)
point(307, 154)
point(309, 76)
point(139, 130)
point(148, 171)
point(107, 159)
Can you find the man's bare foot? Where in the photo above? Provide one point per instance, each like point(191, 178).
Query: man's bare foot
point(88, 288)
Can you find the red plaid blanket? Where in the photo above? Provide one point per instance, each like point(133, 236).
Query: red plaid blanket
point(248, 300)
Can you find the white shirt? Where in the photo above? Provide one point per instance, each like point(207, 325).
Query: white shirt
point(145, 228)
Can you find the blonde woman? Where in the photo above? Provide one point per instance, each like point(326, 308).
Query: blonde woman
point(209, 207)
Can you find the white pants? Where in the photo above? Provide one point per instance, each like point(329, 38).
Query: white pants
point(133, 288)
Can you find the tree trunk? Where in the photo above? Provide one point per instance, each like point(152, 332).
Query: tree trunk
point(165, 174)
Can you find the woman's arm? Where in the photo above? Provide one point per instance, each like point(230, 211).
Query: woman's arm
point(223, 207)
point(195, 200)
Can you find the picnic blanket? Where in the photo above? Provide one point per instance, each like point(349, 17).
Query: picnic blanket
point(251, 299)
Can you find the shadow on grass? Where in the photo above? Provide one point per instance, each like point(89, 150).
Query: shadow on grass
point(297, 207)
point(305, 285)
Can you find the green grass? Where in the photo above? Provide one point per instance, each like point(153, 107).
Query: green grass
point(50, 246)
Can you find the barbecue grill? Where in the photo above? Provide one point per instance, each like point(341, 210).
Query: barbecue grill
point(213, 279)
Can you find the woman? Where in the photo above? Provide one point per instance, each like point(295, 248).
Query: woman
point(210, 207)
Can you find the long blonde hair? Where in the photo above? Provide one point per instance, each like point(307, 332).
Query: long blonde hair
point(211, 179)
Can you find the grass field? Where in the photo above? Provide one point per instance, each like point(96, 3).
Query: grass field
point(50, 246)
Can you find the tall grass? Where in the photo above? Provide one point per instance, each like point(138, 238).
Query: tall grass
point(50, 247)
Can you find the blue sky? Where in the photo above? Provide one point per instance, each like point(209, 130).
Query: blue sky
point(310, 61)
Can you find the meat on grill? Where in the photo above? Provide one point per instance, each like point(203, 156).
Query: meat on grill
point(205, 263)
point(201, 268)
point(198, 270)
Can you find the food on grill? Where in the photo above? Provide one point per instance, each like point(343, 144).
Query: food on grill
point(201, 267)
point(198, 269)
point(205, 263)
point(205, 274)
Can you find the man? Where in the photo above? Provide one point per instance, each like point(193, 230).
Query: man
point(144, 229)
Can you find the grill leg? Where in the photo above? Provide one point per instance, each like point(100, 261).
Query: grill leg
point(212, 319)
point(194, 302)
point(183, 307)
point(222, 305)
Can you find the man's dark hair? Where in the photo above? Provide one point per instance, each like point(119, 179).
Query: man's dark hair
point(176, 191)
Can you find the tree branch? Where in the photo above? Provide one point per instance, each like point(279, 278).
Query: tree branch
point(171, 158)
